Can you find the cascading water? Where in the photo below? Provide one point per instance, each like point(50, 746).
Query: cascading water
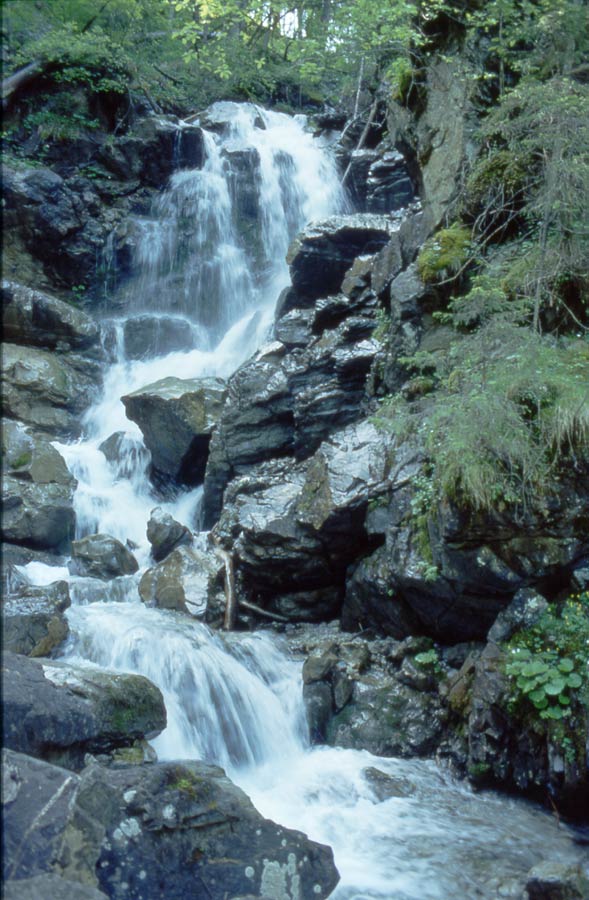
point(236, 699)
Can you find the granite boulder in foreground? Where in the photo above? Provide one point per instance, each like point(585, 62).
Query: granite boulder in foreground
point(169, 830)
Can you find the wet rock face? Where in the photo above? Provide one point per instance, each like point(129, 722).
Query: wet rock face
point(181, 826)
point(60, 712)
point(177, 417)
point(188, 580)
point(292, 530)
point(165, 534)
point(40, 887)
point(62, 224)
point(32, 618)
point(379, 181)
point(38, 491)
point(322, 253)
point(37, 319)
point(557, 881)
point(47, 391)
point(153, 149)
point(285, 403)
point(146, 336)
point(101, 556)
point(373, 695)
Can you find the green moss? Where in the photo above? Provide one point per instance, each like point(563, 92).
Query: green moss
point(23, 459)
point(445, 254)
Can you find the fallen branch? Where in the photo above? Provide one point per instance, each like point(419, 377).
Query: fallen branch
point(362, 140)
point(263, 612)
point(230, 595)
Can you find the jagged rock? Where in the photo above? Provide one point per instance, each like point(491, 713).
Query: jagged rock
point(440, 141)
point(504, 748)
point(47, 391)
point(321, 254)
point(126, 453)
point(291, 527)
point(553, 880)
point(280, 404)
point(187, 580)
point(378, 181)
point(149, 336)
point(524, 611)
point(60, 712)
point(370, 600)
point(33, 318)
point(355, 699)
point(33, 623)
point(177, 417)
point(38, 490)
point(164, 533)
point(101, 556)
point(181, 826)
point(61, 224)
point(43, 887)
point(154, 148)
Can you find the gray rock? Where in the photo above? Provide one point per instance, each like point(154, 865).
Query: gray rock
point(60, 712)
point(321, 254)
point(150, 336)
point(32, 619)
point(524, 611)
point(101, 556)
point(177, 417)
point(188, 580)
point(47, 391)
point(38, 491)
point(33, 318)
point(183, 827)
point(280, 404)
point(126, 454)
point(294, 528)
point(165, 534)
point(50, 887)
point(553, 880)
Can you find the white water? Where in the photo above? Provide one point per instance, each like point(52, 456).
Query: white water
point(237, 700)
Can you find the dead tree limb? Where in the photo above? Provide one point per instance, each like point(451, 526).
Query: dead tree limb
point(362, 140)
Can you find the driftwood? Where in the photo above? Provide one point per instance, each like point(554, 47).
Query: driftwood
point(363, 137)
point(230, 594)
point(263, 612)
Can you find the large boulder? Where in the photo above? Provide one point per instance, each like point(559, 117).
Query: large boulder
point(188, 581)
point(101, 556)
point(60, 712)
point(177, 417)
point(47, 391)
point(321, 254)
point(33, 621)
point(281, 403)
point(164, 533)
point(60, 222)
point(293, 529)
point(34, 318)
point(38, 491)
point(179, 830)
point(153, 149)
point(378, 180)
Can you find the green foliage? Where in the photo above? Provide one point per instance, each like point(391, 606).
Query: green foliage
point(528, 397)
point(429, 661)
point(445, 255)
point(548, 663)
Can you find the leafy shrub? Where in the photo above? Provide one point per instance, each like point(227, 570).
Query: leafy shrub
point(548, 664)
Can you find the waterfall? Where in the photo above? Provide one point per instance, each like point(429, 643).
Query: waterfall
point(210, 254)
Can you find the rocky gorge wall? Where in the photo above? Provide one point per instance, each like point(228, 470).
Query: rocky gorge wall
point(309, 498)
